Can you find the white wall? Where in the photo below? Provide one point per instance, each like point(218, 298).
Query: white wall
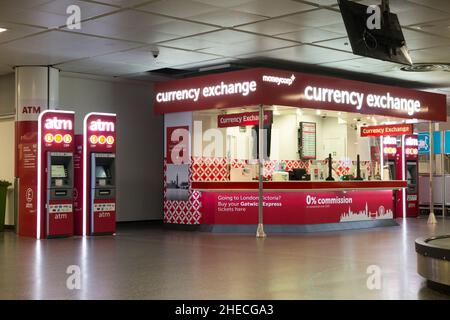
point(284, 144)
point(7, 95)
point(7, 98)
point(139, 139)
point(7, 163)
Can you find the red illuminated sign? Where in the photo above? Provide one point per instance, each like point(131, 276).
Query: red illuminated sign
point(386, 130)
point(390, 145)
point(277, 87)
point(99, 125)
point(58, 124)
point(101, 131)
point(57, 128)
point(390, 150)
point(242, 119)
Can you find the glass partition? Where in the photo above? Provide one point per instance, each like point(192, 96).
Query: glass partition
point(298, 145)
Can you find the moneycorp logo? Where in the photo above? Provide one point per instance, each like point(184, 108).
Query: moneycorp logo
point(278, 80)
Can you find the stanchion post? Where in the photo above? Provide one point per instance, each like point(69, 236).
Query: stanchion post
point(431, 217)
point(260, 230)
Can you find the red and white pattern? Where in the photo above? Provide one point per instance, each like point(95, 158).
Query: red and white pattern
point(342, 167)
point(209, 169)
point(238, 163)
point(182, 212)
point(270, 166)
point(296, 164)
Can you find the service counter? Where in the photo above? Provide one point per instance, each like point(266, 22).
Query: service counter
point(298, 202)
point(294, 186)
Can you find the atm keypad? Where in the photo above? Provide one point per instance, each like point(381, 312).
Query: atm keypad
point(60, 208)
point(100, 207)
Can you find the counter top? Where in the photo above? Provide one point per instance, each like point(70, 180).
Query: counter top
point(300, 185)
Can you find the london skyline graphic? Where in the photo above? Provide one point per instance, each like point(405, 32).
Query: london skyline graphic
point(380, 213)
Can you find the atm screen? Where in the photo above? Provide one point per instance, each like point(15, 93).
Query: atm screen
point(58, 171)
point(102, 172)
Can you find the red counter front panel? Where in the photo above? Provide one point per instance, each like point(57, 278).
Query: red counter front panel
point(297, 207)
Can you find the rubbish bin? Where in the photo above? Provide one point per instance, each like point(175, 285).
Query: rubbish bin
point(3, 190)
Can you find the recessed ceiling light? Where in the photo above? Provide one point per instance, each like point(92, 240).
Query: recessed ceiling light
point(426, 67)
point(3, 29)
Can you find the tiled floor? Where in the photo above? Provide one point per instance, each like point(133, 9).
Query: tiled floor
point(156, 263)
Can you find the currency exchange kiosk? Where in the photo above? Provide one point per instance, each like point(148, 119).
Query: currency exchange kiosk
point(96, 176)
point(55, 174)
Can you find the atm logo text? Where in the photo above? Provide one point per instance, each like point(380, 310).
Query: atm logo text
point(58, 124)
point(99, 125)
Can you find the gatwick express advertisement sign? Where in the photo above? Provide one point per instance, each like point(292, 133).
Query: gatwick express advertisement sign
point(297, 207)
point(277, 87)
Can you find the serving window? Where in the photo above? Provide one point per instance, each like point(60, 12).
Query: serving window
point(298, 144)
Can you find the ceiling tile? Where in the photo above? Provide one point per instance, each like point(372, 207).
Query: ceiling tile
point(178, 8)
point(224, 3)
point(182, 28)
point(418, 40)
point(226, 36)
point(190, 43)
point(336, 28)
point(258, 44)
point(16, 31)
point(87, 9)
point(309, 35)
point(167, 56)
point(131, 18)
point(443, 5)
point(436, 77)
point(226, 18)
point(145, 34)
point(136, 35)
point(438, 54)
point(272, 8)
point(423, 15)
point(305, 54)
point(339, 44)
point(14, 57)
point(395, 6)
point(128, 25)
point(123, 3)
point(325, 2)
point(270, 27)
point(441, 28)
point(206, 63)
point(57, 46)
point(33, 18)
point(99, 67)
point(343, 65)
point(21, 4)
point(363, 65)
point(316, 18)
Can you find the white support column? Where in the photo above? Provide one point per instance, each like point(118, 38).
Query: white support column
point(37, 89)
